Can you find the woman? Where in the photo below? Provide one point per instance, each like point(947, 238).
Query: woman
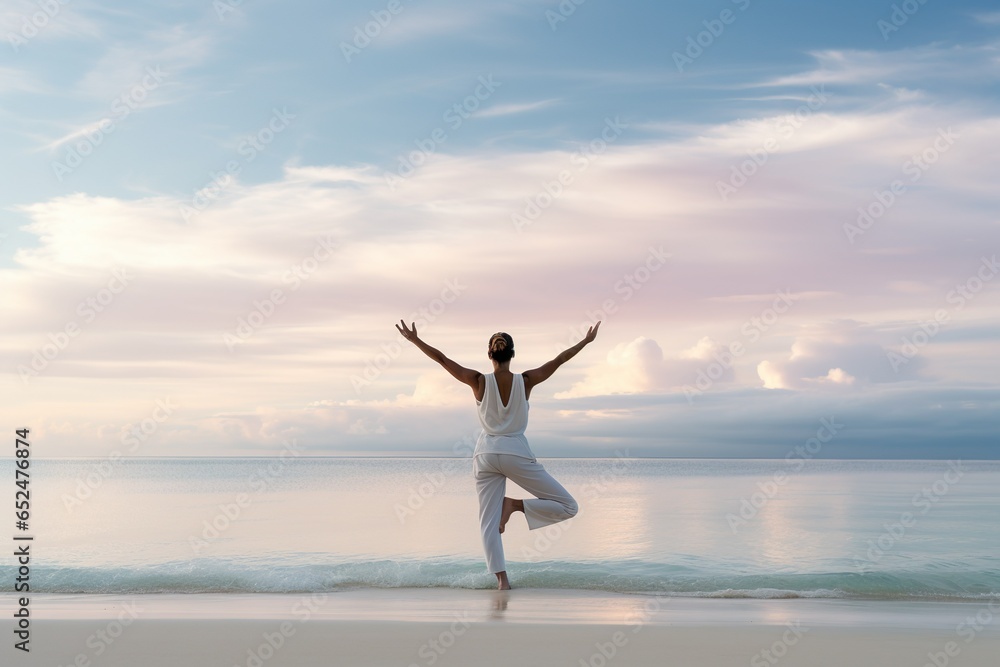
point(502, 451)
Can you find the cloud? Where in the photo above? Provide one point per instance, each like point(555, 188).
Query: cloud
point(509, 109)
point(989, 18)
point(62, 20)
point(76, 133)
point(15, 80)
point(923, 63)
point(425, 24)
point(838, 376)
point(771, 375)
point(836, 354)
point(174, 48)
point(434, 389)
point(902, 421)
point(630, 368)
point(903, 94)
point(443, 20)
point(133, 75)
point(639, 367)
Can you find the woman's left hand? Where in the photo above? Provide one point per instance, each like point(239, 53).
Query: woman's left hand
point(409, 333)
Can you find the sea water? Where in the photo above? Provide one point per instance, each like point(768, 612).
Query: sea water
point(681, 527)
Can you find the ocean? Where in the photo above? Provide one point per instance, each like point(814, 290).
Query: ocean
point(880, 530)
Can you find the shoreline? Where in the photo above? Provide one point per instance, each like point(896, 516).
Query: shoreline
point(476, 627)
point(520, 605)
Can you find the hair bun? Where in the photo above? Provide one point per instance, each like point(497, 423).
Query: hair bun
point(501, 343)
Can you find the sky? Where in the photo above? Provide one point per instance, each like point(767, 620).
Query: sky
point(785, 215)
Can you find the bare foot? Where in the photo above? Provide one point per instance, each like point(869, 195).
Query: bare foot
point(509, 507)
point(502, 583)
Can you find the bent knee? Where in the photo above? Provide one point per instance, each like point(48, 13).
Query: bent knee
point(572, 507)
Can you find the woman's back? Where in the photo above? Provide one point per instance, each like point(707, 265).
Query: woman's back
point(497, 418)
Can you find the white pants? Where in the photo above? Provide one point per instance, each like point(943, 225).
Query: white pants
point(552, 503)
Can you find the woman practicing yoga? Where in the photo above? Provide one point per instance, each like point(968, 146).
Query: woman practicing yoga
point(502, 451)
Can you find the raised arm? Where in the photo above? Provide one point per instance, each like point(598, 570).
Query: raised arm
point(545, 371)
point(460, 373)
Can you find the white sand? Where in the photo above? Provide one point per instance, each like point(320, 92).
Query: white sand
point(404, 627)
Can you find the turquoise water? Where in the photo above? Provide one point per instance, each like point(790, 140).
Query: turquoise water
point(705, 528)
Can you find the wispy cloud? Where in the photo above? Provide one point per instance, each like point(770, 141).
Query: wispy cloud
point(509, 109)
point(174, 48)
point(16, 80)
point(989, 18)
point(460, 21)
point(135, 76)
point(925, 63)
point(903, 94)
point(63, 20)
point(76, 133)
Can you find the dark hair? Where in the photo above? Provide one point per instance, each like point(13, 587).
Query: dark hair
point(501, 347)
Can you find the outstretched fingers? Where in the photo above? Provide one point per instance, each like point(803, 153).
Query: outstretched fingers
point(407, 332)
point(592, 332)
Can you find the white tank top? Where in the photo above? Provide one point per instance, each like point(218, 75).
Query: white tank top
point(503, 426)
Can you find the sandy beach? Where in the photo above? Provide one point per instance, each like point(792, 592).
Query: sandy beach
point(409, 627)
